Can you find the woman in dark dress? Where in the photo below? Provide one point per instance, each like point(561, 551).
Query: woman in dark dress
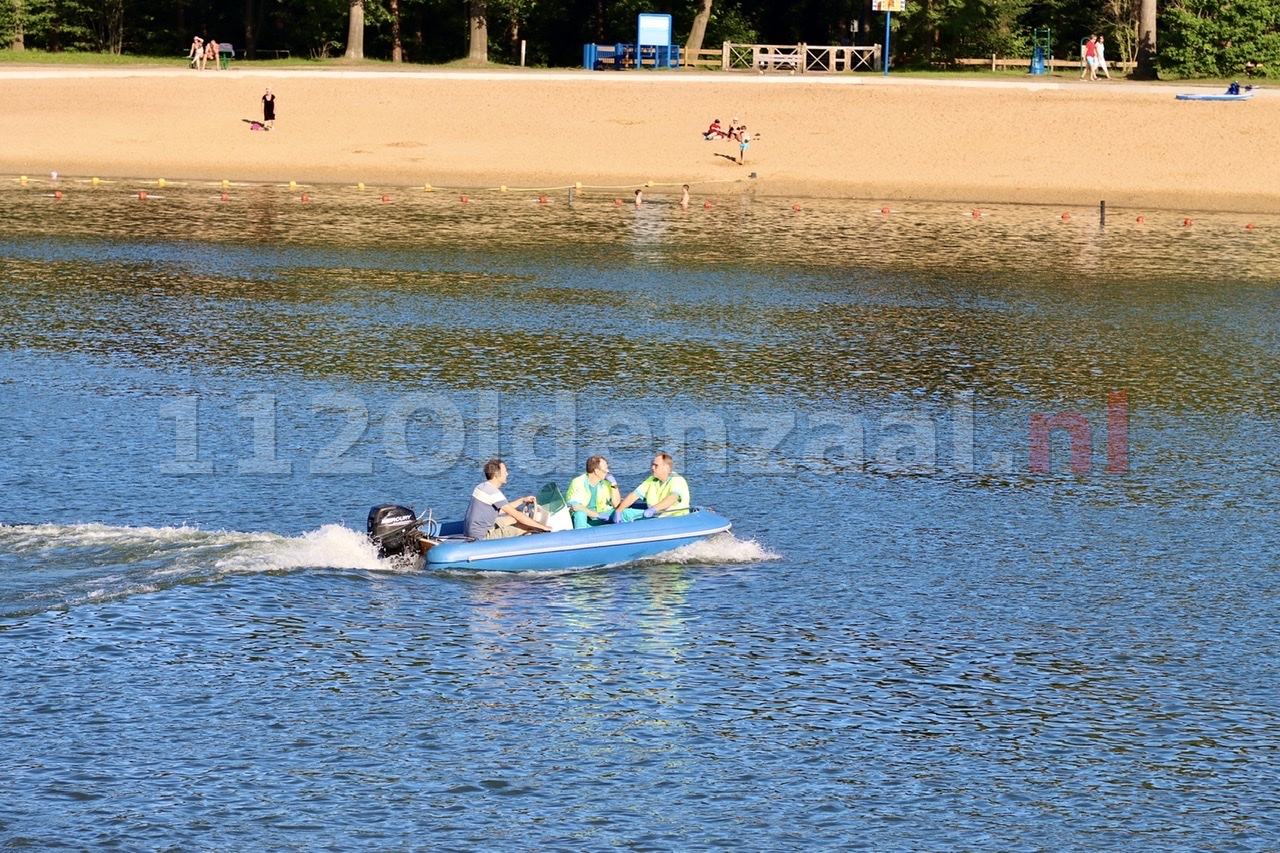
point(269, 109)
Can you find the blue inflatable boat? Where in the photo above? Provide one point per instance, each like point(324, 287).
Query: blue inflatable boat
point(1233, 93)
point(426, 543)
point(1243, 96)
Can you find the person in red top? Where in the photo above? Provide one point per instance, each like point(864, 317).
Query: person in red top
point(1090, 53)
point(715, 131)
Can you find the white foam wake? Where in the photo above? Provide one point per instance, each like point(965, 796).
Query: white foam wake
point(721, 549)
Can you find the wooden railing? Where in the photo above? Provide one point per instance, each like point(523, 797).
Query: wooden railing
point(794, 58)
point(802, 58)
point(995, 63)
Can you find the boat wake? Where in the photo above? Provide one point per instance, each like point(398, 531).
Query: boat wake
point(46, 567)
point(721, 549)
point(51, 566)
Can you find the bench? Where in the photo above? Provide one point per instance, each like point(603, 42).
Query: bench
point(226, 53)
point(777, 61)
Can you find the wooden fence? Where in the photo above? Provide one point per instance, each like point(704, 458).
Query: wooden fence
point(996, 64)
point(792, 58)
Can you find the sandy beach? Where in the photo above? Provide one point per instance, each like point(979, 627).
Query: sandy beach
point(1052, 140)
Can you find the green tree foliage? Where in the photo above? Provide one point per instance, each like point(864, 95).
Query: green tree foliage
point(943, 30)
point(1196, 37)
point(1210, 38)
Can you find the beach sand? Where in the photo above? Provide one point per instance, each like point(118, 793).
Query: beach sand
point(1045, 141)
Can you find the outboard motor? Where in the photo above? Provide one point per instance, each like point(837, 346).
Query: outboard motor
point(393, 529)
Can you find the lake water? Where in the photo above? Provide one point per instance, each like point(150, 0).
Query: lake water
point(1003, 572)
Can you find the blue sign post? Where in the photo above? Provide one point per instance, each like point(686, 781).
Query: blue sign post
point(888, 7)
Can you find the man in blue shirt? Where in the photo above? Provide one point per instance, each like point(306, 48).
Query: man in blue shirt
point(491, 516)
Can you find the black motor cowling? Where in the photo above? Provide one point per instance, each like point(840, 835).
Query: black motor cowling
point(393, 529)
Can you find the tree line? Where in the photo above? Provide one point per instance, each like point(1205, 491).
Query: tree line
point(1185, 38)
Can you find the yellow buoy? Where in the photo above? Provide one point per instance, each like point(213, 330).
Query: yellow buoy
point(293, 185)
point(225, 183)
point(160, 182)
point(426, 188)
point(22, 180)
point(360, 185)
point(648, 183)
point(577, 185)
point(95, 182)
point(502, 189)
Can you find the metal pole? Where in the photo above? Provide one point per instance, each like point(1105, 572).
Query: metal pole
point(1102, 213)
point(888, 16)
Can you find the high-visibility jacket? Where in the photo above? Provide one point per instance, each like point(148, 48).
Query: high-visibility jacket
point(583, 495)
point(653, 491)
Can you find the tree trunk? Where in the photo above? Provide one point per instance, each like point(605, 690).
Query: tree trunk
point(479, 27)
point(397, 52)
point(250, 31)
point(1145, 69)
point(699, 31)
point(355, 31)
point(112, 38)
point(17, 43)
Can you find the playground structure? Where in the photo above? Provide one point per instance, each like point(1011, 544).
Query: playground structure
point(1041, 49)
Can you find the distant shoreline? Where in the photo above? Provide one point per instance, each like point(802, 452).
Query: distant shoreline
point(1044, 141)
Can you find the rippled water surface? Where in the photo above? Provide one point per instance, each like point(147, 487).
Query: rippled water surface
point(1003, 572)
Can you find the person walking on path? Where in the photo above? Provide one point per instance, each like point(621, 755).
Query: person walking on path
point(1089, 52)
point(1102, 59)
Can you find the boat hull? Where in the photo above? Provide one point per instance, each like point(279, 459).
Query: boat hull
point(1243, 96)
point(606, 545)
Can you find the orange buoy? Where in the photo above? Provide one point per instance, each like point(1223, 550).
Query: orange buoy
point(976, 213)
point(885, 211)
point(617, 201)
point(706, 204)
point(226, 197)
point(57, 193)
point(306, 197)
point(1066, 217)
point(1249, 227)
point(142, 194)
point(1187, 222)
point(542, 199)
point(386, 198)
point(464, 199)
point(1141, 219)
point(795, 207)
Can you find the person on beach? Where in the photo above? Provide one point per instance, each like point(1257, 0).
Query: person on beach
point(664, 493)
point(744, 141)
point(211, 54)
point(735, 132)
point(715, 131)
point(269, 109)
point(684, 197)
point(491, 516)
point(1089, 52)
point(196, 53)
point(1102, 60)
point(639, 198)
point(593, 496)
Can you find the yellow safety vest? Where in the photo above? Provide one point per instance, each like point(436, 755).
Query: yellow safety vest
point(583, 494)
point(654, 491)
